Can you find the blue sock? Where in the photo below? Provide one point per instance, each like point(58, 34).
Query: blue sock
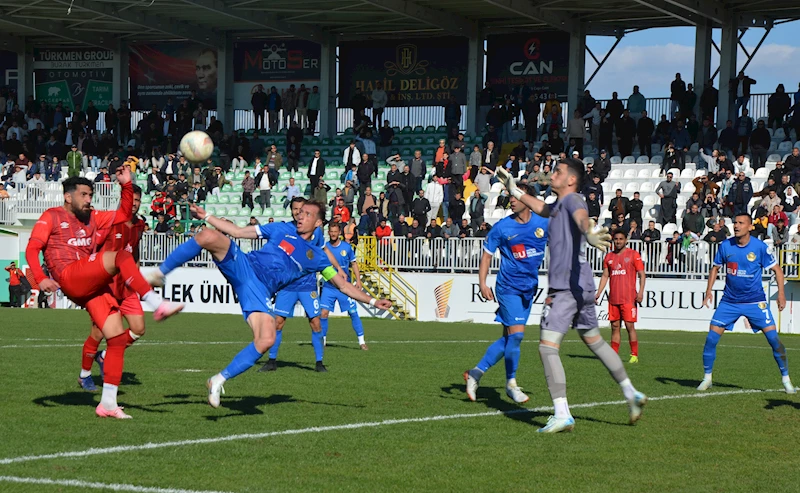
point(357, 325)
point(185, 252)
point(493, 355)
point(778, 351)
point(242, 362)
point(273, 351)
point(710, 350)
point(324, 323)
point(316, 341)
point(512, 354)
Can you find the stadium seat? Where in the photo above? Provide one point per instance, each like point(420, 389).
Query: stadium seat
point(406, 130)
point(630, 174)
point(631, 187)
point(643, 160)
point(675, 171)
point(779, 134)
point(646, 187)
point(700, 172)
point(657, 160)
point(773, 158)
point(669, 228)
point(616, 160)
point(615, 174)
point(656, 173)
point(606, 187)
point(643, 173)
point(627, 160)
point(785, 146)
point(617, 186)
point(762, 173)
point(588, 160)
point(498, 214)
point(649, 200)
point(224, 199)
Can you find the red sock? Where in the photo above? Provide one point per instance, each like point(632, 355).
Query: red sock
point(115, 357)
point(635, 348)
point(130, 273)
point(615, 346)
point(129, 340)
point(89, 352)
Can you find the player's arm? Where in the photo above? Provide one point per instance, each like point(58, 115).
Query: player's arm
point(357, 274)
point(483, 273)
point(536, 205)
point(39, 238)
point(779, 279)
point(332, 275)
point(712, 278)
point(642, 279)
point(603, 281)
point(225, 227)
point(598, 237)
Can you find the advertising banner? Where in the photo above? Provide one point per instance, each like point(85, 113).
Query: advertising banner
point(414, 72)
point(172, 70)
point(276, 63)
point(538, 61)
point(74, 76)
point(8, 69)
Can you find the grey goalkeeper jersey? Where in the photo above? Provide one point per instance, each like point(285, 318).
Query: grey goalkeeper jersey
point(569, 268)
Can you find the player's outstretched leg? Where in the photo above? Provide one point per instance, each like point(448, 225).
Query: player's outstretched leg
point(88, 356)
point(263, 326)
point(710, 355)
point(122, 263)
point(612, 362)
point(549, 345)
point(272, 357)
point(779, 352)
point(511, 354)
point(493, 354)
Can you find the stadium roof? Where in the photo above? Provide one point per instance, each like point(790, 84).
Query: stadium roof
point(103, 22)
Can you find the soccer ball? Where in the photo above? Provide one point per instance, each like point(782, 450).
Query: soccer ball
point(196, 146)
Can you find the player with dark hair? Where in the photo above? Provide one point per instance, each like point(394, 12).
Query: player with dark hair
point(68, 237)
point(288, 255)
point(521, 239)
point(571, 295)
point(125, 237)
point(744, 259)
point(622, 267)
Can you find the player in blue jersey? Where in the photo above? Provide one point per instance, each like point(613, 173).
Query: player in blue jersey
point(306, 292)
point(287, 256)
point(744, 258)
point(521, 239)
point(344, 254)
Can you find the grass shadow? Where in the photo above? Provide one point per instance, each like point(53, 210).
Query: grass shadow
point(85, 399)
point(493, 399)
point(582, 356)
point(249, 405)
point(692, 383)
point(775, 403)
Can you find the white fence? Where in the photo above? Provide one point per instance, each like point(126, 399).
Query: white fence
point(8, 211)
point(36, 198)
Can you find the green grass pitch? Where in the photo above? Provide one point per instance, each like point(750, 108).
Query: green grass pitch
point(335, 431)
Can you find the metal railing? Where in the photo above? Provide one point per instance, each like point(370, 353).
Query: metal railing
point(8, 211)
point(35, 198)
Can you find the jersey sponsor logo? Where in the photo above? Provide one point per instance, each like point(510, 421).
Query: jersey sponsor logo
point(64, 225)
point(762, 305)
point(731, 268)
point(619, 272)
point(287, 247)
point(118, 236)
point(521, 253)
point(751, 256)
point(79, 242)
point(81, 233)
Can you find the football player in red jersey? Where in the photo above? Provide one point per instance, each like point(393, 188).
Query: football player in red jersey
point(623, 265)
point(68, 236)
point(121, 237)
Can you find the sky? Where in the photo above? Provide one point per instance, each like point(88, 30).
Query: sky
point(651, 58)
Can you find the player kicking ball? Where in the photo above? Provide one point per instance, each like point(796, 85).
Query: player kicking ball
point(125, 236)
point(68, 236)
point(305, 292)
point(622, 267)
point(344, 253)
point(571, 295)
point(288, 255)
point(521, 239)
point(744, 259)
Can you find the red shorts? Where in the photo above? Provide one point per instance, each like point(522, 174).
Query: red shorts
point(627, 312)
point(131, 305)
point(86, 282)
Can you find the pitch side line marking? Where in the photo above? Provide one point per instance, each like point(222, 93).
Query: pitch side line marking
point(351, 426)
point(97, 486)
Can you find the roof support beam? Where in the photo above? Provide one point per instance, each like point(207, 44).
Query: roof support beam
point(526, 9)
point(59, 30)
point(12, 43)
point(710, 9)
point(454, 24)
point(262, 21)
point(672, 11)
point(166, 25)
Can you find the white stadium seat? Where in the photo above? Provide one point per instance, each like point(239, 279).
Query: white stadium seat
point(631, 187)
point(669, 228)
point(644, 173)
point(617, 186)
point(647, 187)
point(615, 160)
point(630, 174)
point(687, 173)
point(606, 187)
point(779, 134)
point(656, 173)
point(675, 171)
point(773, 158)
point(700, 172)
point(615, 174)
point(785, 146)
point(649, 200)
point(762, 173)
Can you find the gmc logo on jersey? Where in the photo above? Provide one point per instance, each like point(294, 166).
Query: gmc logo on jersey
point(79, 242)
point(618, 272)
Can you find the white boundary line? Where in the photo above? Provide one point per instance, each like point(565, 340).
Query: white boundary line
point(350, 426)
point(350, 342)
point(98, 486)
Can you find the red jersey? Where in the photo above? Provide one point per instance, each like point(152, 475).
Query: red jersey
point(64, 238)
point(622, 268)
point(14, 276)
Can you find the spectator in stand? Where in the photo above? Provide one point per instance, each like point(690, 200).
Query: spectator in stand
point(476, 209)
point(103, 176)
point(292, 191)
point(273, 109)
point(645, 128)
point(289, 104)
point(483, 230)
point(716, 235)
point(154, 181)
point(620, 224)
point(780, 234)
point(416, 230)
point(693, 221)
point(688, 103)
point(744, 128)
point(740, 87)
point(759, 144)
point(694, 200)
point(383, 230)
point(614, 107)
point(761, 225)
point(349, 194)
point(576, 128)
point(677, 94)
point(728, 139)
point(594, 117)
point(554, 122)
point(418, 168)
point(681, 138)
point(530, 111)
point(710, 208)
point(668, 191)
point(635, 230)
point(619, 204)
point(490, 156)
point(776, 215)
point(634, 209)
point(464, 230)
point(368, 205)
point(341, 211)
point(248, 187)
point(771, 200)
point(351, 156)
point(259, 103)
point(452, 113)
point(593, 205)
point(15, 285)
point(789, 203)
point(433, 230)
point(740, 194)
point(456, 207)
point(379, 102)
point(626, 132)
point(163, 205)
point(708, 100)
point(486, 99)
point(703, 186)
point(594, 186)
point(386, 134)
point(395, 184)
point(316, 169)
point(74, 162)
point(458, 168)
point(778, 106)
point(421, 208)
point(707, 136)
point(637, 104)
point(52, 171)
point(312, 108)
point(197, 194)
point(400, 228)
point(450, 229)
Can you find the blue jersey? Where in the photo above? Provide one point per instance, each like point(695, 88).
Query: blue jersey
point(743, 267)
point(286, 257)
point(309, 282)
point(344, 254)
point(522, 251)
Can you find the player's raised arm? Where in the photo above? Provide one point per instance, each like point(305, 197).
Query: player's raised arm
point(223, 226)
point(535, 204)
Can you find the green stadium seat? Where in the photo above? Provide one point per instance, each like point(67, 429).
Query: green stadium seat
point(405, 141)
point(378, 187)
point(338, 141)
point(395, 150)
point(441, 129)
point(332, 175)
point(348, 131)
point(406, 153)
point(326, 141)
point(146, 199)
point(281, 142)
point(419, 129)
point(238, 188)
point(224, 199)
point(430, 129)
point(279, 212)
point(212, 199)
point(417, 141)
point(242, 223)
point(327, 153)
point(220, 211)
point(268, 212)
point(406, 130)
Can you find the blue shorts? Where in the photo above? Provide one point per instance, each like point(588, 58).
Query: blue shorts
point(515, 308)
point(252, 294)
point(331, 295)
point(758, 314)
point(285, 301)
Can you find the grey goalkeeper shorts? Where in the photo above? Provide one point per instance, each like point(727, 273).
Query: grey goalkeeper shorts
point(565, 309)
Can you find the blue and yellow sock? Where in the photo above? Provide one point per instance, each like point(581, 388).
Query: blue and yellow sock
point(493, 354)
point(185, 252)
point(511, 354)
point(319, 347)
point(358, 326)
point(273, 351)
point(778, 351)
point(710, 350)
point(242, 362)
